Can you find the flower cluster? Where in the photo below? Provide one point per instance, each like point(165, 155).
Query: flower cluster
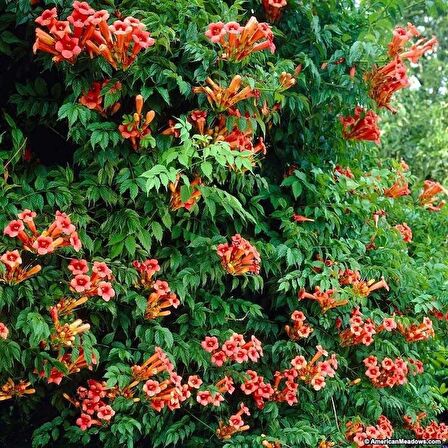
point(325, 299)
point(434, 430)
point(361, 330)
point(11, 389)
point(348, 277)
point(405, 231)
point(176, 202)
point(273, 9)
point(93, 284)
point(159, 300)
point(417, 332)
point(366, 287)
point(161, 297)
point(91, 400)
point(222, 98)
point(390, 373)
point(235, 349)
point(61, 233)
point(386, 80)
point(94, 100)
point(135, 127)
point(169, 392)
point(146, 270)
point(285, 385)
point(241, 140)
point(64, 334)
point(14, 272)
point(314, 372)
point(87, 30)
point(399, 188)
point(362, 125)
point(357, 432)
point(428, 196)
point(239, 257)
point(234, 425)
point(239, 42)
point(205, 397)
point(401, 36)
point(299, 329)
point(286, 80)
point(259, 389)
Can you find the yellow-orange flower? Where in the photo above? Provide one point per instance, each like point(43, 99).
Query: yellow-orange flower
point(222, 98)
point(176, 201)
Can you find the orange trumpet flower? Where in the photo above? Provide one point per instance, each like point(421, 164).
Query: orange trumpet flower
point(223, 98)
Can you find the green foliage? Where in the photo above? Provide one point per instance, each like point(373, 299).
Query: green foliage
point(418, 133)
point(119, 200)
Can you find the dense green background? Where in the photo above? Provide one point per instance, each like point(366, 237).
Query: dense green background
point(81, 166)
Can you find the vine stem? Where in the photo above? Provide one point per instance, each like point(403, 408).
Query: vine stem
point(335, 414)
point(18, 150)
point(199, 420)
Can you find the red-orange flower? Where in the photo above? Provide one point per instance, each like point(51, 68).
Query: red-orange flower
point(299, 329)
point(341, 171)
point(348, 277)
point(4, 331)
point(64, 334)
point(87, 30)
point(429, 195)
point(301, 218)
point(234, 425)
point(93, 99)
point(386, 80)
point(405, 232)
point(365, 288)
point(11, 389)
point(400, 37)
point(239, 257)
point(136, 127)
point(433, 430)
point(224, 98)
point(198, 117)
point(11, 259)
point(357, 432)
point(417, 332)
point(239, 42)
point(363, 125)
point(399, 188)
point(14, 272)
point(274, 8)
point(418, 49)
point(47, 17)
point(325, 299)
point(14, 228)
point(176, 201)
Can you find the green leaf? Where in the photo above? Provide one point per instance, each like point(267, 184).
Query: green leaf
point(157, 230)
